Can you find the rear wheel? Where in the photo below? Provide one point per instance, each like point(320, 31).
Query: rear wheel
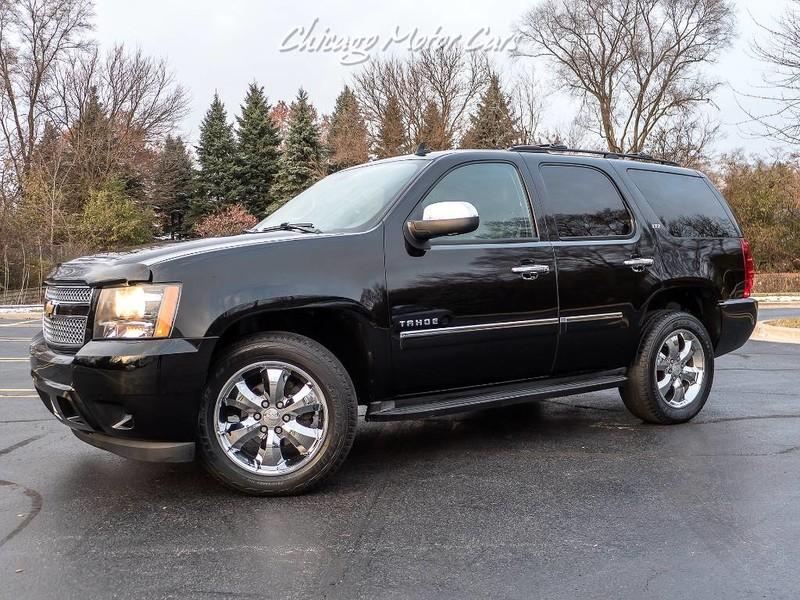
point(670, 379)
point(279, 415)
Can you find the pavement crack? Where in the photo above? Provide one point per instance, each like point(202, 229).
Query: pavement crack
point(19, 445)
point(748, 418)
point(582, 406)
point(336, 571)
point(36, 506)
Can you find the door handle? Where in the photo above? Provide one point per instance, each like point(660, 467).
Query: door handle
point(639, 264)
point(530, 271)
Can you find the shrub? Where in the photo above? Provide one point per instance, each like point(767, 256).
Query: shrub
point(111, 220)
point(766, 200)
point(229, 221)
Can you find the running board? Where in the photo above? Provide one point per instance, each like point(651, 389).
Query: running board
point(488, 397)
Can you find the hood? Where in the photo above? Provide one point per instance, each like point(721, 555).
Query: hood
point(133, 266)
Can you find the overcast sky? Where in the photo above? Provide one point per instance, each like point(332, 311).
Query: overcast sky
point(223, 45)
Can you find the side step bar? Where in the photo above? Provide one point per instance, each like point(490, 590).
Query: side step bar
point(492, 396)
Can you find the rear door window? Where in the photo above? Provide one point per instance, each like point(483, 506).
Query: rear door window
point(585, 203)
point(685, 204)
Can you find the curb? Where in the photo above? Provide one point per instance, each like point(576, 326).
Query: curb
point(765, 332)
point(20, 311)
point(773, 305)
point(20, 307)
point(780, 299)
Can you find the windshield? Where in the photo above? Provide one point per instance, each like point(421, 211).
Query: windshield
point(346, 200)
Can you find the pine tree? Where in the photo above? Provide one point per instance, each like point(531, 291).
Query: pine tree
point(392, 134)
point(216, 154)
point(90, 137)
point(173, 185)
point(493, 124)
point(299, 163)
point(257, 152)
point(433, 132)
point(347, 144)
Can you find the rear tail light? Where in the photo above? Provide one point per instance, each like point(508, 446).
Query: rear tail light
point(749, 268)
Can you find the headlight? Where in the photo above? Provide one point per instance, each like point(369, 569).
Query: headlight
point(136, 311)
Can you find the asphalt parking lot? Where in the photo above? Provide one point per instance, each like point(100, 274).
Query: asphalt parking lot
point(569, 498)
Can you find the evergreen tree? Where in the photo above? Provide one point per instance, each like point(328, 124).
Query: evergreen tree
point(257, 152)
point(433, 132)
point(216, 154)
point(90, 137)
point(392, 134)
point(299, 163)
point(173, 184)
point(347, 144)
point(493, 125)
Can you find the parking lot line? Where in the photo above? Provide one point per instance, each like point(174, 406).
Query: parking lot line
point(12, 359)
point(18, 323)
point(18, 393)
point(14, 339)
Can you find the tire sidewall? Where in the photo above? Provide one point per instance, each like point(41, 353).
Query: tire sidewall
point(660, 333)
point(341, 416)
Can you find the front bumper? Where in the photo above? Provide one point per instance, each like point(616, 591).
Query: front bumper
point(140, 449)
point(136, 398)
point(738, 319)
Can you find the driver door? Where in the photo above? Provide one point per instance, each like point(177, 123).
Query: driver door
point(476, 308)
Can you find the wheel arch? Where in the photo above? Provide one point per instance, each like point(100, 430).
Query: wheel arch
point(696, 297)
point(343, 327)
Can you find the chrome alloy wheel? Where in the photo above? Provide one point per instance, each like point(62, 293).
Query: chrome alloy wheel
point(680, 368)
point(271, 418)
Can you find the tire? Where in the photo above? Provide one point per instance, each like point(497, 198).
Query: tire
point(304, 429)
point(675, 349)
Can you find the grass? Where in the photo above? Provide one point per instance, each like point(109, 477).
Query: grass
point(787, 323)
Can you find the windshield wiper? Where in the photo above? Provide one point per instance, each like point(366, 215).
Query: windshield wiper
point(301, 227)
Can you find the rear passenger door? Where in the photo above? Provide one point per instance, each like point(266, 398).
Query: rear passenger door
point(604, 258)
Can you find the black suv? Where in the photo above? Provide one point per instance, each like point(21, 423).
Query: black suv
point(416, 286)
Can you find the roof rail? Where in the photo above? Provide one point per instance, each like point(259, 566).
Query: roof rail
point(558, 148)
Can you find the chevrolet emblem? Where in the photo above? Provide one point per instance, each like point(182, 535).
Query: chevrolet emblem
point(49, 308)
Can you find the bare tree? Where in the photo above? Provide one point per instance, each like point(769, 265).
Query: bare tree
point(685, 141)
point(448, 77)
point(527, 104)
point(635, 64)
point(36, 38)
point(111, 108)
point(781, 83)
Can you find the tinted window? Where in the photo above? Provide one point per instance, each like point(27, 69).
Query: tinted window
point(584, 202)
point(496, 191)
point(686, 205)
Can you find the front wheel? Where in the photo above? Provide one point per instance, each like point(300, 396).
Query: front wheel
point(279, 415)
point(670, 379)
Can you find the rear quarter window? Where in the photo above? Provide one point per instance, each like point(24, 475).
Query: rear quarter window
point(685, 204)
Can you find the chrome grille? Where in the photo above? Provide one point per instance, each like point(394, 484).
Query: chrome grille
point(64, 330)
point(66, 315)
point(69, 294)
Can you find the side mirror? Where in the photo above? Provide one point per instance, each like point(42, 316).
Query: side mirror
point(444, 218)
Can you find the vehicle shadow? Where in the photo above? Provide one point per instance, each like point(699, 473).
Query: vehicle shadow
point(379, 449)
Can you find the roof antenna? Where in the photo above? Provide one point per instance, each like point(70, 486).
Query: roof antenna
point(422, 150)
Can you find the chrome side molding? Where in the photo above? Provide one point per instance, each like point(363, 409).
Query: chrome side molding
point(422, 333)
point(479, 327)
point(598, 317)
